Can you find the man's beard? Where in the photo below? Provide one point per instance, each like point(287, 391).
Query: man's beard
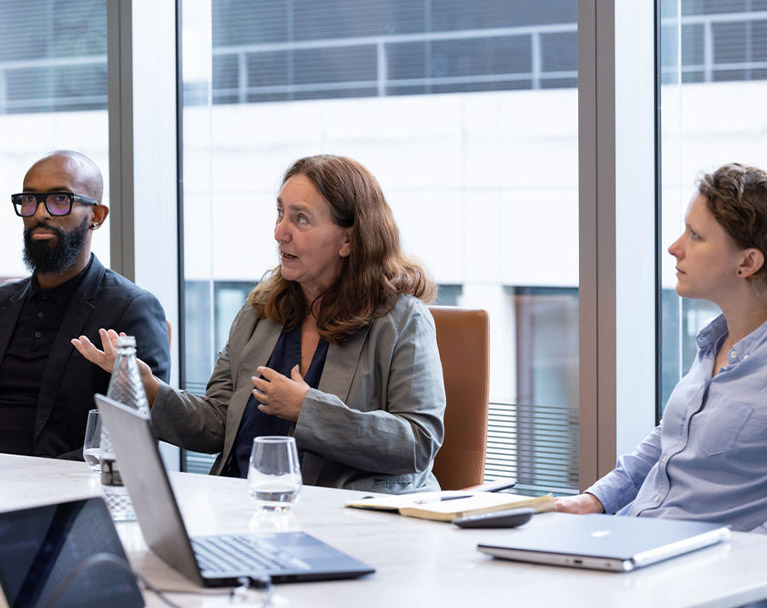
point(43, 257)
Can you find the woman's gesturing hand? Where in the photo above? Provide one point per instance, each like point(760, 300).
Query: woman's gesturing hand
point(280, 396)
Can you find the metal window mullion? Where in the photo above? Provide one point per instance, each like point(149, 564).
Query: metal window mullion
point(536, 55)
point(616, 173)
point(708, 51)
point(142, 152)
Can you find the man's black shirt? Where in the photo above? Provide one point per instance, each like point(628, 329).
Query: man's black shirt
point(22, 368)
point(100, 299)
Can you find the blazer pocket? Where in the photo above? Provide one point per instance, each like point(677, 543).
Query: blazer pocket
point(722, 427)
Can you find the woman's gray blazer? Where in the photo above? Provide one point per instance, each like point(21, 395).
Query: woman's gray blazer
point(374, 423)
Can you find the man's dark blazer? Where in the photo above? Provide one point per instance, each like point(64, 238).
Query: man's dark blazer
point(103, 299)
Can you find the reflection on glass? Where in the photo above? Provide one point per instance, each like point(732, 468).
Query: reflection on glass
point(53, 94)
point(467, 113)
point(714, 82)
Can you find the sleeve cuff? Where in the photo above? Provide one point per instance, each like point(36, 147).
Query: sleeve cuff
point(614, 491)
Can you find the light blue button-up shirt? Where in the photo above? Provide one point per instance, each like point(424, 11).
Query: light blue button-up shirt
point(707, 459)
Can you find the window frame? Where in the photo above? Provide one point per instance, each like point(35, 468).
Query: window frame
point(617, 134)
point(143, 172)
point(617, 198)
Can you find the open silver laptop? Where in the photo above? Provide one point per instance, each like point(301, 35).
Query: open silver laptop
point(211, 561)
point(603, 542)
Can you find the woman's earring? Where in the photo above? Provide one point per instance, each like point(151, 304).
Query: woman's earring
point(94, 225)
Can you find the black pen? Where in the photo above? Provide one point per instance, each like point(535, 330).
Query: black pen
point(456, 497)
point(496, 486)
point(424, 501)
point(492, 486)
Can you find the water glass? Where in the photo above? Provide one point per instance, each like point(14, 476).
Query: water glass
point(91, 449)
point(274, 474)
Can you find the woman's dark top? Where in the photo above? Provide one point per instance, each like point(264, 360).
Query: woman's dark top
point(286, 354)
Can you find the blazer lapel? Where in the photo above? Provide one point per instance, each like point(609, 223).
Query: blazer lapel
point(340, 365)
point(256, 351)
point(10, 315)
point(80, 308)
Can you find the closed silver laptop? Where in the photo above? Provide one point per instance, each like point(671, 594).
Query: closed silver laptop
point(602, 542)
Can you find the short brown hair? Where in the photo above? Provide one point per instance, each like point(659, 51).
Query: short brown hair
point(736, 195)
point(375, 273)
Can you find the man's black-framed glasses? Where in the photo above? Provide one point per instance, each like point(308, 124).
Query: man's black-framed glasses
point(56, 203)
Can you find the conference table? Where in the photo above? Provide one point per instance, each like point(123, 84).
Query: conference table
point(418, 563)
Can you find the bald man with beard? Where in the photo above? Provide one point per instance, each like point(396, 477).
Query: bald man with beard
point(46, 386)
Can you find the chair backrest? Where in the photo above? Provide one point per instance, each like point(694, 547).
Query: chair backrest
point(464, 348)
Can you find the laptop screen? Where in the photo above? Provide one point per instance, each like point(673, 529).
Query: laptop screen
point(65, 551)
point(304, 557)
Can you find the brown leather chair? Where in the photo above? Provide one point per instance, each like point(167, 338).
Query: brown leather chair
point(463, 338)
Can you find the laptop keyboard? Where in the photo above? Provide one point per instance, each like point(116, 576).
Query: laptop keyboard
point(241, 553)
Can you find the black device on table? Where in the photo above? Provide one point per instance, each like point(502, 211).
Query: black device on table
point(509, 518)
point(66, 555)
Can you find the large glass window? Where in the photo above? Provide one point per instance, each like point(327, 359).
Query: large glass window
point(713, 87)
point(466, 113)
point(53, 94)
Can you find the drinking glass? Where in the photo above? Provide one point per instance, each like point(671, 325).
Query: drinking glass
point(91, 449)
point(274, 474)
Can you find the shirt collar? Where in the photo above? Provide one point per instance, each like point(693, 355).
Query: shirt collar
point(63, 293)
point(712, 335)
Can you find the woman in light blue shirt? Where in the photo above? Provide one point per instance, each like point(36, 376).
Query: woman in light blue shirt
point(707, 459)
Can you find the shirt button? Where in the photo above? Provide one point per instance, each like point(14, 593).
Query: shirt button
point(656, 498)
point(733, 354)
point(38, 334)
point(40, 315)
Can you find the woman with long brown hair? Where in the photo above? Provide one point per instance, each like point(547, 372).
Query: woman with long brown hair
point(334, 346)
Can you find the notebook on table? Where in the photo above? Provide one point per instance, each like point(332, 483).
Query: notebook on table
point(604, 542)
point(66, 555)
point(211, 561)
point(451, 505)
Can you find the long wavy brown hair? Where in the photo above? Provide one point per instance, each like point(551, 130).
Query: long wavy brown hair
point(373, 276)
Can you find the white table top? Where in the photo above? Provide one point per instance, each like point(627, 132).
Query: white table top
point(418, 563)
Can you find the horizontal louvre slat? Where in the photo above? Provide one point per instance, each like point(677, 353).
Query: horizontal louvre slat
point(536, 444)
point(194, 462)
